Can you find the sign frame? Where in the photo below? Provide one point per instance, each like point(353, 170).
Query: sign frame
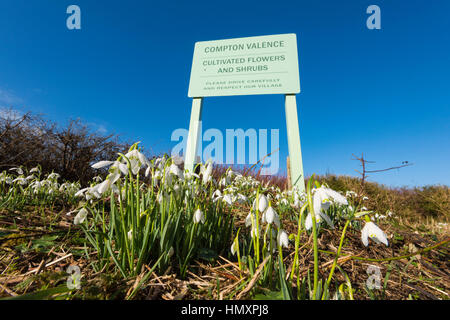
point(293, 132)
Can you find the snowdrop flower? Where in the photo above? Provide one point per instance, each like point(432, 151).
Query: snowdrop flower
point(323, 195)
point(168, 178)
point(255, 231)
point(177, 189)
point(18, 170)
point(351, 194)
point(81, 216)
point(283, 239)
point(319, 217)
point(230, 174)
point(81, 192)
point(171, 252)
point(102, 164)
point(217, 194)
point(223, 182)
point(297, 203)
point(137, 159)
point(157, 175)
point(271, 216)
point(135, 166)
point(240, 198)
point(63, 187)
point(36, 186)
point(234, 247)
point(227, 180)
point(119, 167)
point(249, 219)
point(147, 171)
point(262, 203)
point(231, 189)
point(206, 173)
point(130, 234)
point(107, 184)
point(162, 197)
point(160, 163)
point(137, 155)
point(35, 169)
point(372, 231)
point(97, 179)
point(21, 181)
point(199, 216)
point(93, 192)
point(189, 175)
point(176, 171)
point(321, 203)
point(227, 199)
point(53, 175)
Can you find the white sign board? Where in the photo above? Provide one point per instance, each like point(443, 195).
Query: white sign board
point(245, 66)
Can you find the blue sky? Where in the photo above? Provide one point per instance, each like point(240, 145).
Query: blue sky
point(384, 93)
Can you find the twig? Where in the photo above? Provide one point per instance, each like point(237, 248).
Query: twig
point(10, 292)
point(50, 264)
point(254, 279)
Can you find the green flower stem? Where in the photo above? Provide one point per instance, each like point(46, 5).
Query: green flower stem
point(336, 258)
point(316, 255)
point(239, 259)
point(257, 227)
point(297, 240)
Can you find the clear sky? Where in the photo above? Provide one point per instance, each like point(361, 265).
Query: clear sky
point(384, 93)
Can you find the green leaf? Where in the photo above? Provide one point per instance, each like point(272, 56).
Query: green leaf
point(207, 254)
point(271, 295)
point(41, 295)
point(44, 242)
point(284, 286)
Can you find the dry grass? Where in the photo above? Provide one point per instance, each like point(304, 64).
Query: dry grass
point(36, 249)
point(428, 204)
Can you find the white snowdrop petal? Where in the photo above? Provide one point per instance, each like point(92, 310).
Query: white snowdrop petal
point(283, 239)
point(80, 217)
point(262, 203)
point(308, 222)
point(102, 164)
point(327, 219)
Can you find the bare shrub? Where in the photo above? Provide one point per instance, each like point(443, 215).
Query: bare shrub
point(29, 140)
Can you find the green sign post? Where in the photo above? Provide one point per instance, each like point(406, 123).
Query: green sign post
point(247, 66)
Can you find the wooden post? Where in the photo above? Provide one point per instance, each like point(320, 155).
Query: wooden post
point(295, 152)
point(288, 166)
point(194, 134)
